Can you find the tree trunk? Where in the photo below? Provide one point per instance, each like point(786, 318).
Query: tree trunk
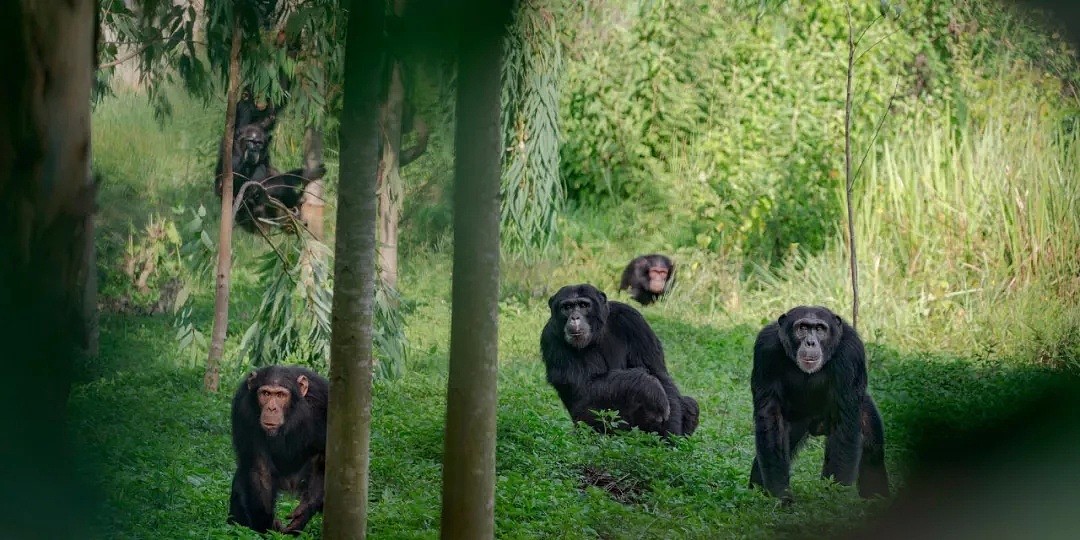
point(390, 177)
point(45, 210)
point(468, 493)
point(91, 329)
point(349, 421)
point(311, 210)
point(212, 378)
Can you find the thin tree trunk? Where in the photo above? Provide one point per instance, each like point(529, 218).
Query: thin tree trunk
point(390, 177)
point(311, 211)
point(212, 378)
point(349, 421)
point(45, 210)
point(468, 493)
point(849, 179)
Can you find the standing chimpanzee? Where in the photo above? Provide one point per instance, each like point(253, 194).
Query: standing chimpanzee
point(603, 355)
point(648, 277)
point(809, 377)
point(279, 436)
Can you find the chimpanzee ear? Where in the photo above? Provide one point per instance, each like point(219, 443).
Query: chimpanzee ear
point(251, 380)
point(302, 383)
point(839, 321)
point(551, 301)
point(780, 320)
point(603, 297)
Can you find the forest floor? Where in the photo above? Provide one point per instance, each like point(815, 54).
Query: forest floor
point(160, 445)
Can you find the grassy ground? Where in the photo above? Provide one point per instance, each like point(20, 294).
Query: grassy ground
point(161, 445)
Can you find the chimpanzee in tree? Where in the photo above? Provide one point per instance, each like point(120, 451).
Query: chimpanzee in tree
point(809, 378)
point(279, 436)
point(264, 199)
point(648, 277)
point(602, 355)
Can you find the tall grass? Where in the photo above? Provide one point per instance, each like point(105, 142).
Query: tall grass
point(969, 239)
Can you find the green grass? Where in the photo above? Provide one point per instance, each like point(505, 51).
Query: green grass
point(969, 244)
point(162, 445)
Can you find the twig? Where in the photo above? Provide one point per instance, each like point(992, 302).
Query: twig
point(849, 178)
point(877, 130)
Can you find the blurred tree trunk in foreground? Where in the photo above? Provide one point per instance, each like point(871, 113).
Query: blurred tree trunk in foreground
point(46, 206)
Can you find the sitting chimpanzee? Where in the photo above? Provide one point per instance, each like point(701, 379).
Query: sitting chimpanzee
point(263, 200)
point(279, 436)
point(809, 378)
point(602, 355)
point(648, 277)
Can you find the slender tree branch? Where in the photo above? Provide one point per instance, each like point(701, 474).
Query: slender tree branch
point(877, 130)
point(849, 178)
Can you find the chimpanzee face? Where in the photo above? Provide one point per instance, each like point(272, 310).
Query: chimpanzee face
point(276, 399)
point(810, 336)
point(251, 142)
point(582, 311)
point(658, 276)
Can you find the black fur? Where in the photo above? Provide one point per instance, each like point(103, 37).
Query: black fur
point(635, 277)
point(603, 355)
point(293, 459)
point(814, 383)
point(251, 163)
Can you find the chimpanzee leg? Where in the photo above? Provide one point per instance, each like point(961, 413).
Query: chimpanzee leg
point(635, 393)
point(873, 479)
point(311, 499)
point(252, 501)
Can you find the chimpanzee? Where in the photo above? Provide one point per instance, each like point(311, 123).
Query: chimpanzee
point(251, 163)
point(809, 378)
point(249, 111)
point(603, 355)
point(648, 277)
point(279, 436)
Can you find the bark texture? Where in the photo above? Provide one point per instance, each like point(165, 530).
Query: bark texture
point(348, 437)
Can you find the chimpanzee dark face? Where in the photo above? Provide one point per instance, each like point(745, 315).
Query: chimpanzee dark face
point(810, 336)
point(251, 142)
point(276, 399)
point(582, 311)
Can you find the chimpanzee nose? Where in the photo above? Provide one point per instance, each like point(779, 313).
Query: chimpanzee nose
point(575, 317)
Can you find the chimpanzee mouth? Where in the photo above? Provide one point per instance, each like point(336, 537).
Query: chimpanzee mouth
point(578, 339)
point(271, 429)
point(809, 365)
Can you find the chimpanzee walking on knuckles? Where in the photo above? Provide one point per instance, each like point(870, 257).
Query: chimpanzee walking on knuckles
point(279, 436)
point(809, 378)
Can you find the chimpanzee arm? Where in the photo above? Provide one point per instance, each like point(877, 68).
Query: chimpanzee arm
point(772, 439)
point(844, 445)
point(634, 393)
point(311, 500)
point(253, 494)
